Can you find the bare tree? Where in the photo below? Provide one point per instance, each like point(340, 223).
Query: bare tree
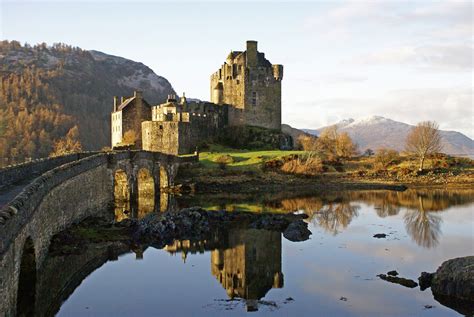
point(423, 140)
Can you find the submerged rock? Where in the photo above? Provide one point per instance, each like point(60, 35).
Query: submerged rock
point(399, 280)
point(380, 235)
point(297, 231)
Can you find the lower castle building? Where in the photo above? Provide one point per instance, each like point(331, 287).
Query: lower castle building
point(246, 90)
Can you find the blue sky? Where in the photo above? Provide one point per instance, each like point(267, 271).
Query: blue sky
point(407, 60)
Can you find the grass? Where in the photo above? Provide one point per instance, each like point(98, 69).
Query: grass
point(242, 159)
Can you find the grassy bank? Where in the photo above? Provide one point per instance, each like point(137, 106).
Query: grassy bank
point(226, 169)
point(242, 160)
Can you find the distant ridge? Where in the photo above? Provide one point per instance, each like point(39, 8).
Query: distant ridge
point(376, 132)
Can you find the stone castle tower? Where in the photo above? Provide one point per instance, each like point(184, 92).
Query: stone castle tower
point(246, 90)
point(251, 86)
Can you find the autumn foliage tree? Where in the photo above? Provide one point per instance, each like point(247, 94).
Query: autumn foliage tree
point(69, 144)
point(335, 144)
point(423, 140)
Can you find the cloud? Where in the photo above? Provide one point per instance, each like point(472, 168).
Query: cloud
point(433, 57)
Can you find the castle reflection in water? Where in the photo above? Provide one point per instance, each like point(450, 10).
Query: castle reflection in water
point(247, 262)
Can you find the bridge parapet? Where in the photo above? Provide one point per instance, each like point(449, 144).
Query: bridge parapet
point(15, 173)
point(20, 210)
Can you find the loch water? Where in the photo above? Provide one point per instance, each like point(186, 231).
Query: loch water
point(260, 273)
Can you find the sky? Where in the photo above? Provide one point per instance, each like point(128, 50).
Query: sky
point(410, 61)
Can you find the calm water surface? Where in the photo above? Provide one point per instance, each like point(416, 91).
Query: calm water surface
point(332, 274)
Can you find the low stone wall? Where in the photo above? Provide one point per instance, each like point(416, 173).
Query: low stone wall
point(15, 173)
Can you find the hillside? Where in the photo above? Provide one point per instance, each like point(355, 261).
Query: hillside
point(378, 132)
point(46, 91)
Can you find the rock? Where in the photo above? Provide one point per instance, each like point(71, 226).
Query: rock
point(344, 299)
point(126, 223)
point(380, 235)
point(392, 273)
point(455, 278)
point(425, 280)
point(399, 280)
point(297, 231)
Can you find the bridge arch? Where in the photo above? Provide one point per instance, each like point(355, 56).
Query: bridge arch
point(26, 293)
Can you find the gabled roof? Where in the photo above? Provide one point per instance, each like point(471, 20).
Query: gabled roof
point(125, 103)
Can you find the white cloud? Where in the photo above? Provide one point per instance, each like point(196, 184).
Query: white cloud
point(434, 57)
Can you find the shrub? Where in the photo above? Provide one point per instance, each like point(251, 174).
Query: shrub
point(223, 160)
point(385, 157)
point(310, 165)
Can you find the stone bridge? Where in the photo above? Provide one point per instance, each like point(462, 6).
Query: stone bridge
point(67, 190)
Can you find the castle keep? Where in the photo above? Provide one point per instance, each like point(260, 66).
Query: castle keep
point(246, 90)
point(252, 85)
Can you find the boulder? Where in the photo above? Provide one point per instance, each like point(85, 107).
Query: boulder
point(455, 278)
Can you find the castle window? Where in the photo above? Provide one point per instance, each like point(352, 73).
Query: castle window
point(254, 98)
point(161, 127)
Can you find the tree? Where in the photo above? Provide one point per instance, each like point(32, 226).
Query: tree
point(335, 144)
point(68, 144)
point(345, 148)
point(129, 138)
point(423, 140)
point(308, 142)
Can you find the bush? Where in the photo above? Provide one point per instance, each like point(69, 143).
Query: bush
point(385, 157)
point(223, 160)
point(311, 165)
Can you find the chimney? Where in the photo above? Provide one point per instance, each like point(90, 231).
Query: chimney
point(137, 94)
point(115, 103)
point(251, 53)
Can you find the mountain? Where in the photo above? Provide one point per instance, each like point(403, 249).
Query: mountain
point(293, 132)
point(378, 132)
point(45, 91)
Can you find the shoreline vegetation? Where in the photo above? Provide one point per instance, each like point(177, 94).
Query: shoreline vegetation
point(223, 169)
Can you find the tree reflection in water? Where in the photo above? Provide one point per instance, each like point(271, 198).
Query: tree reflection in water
point(335, 217)
point(424, 227)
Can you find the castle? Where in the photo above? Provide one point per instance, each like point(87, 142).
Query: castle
point(246, 90)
